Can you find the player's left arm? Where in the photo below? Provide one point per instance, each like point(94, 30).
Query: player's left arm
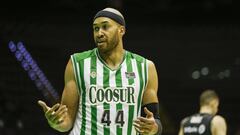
point(180, 132)
point(149, 123)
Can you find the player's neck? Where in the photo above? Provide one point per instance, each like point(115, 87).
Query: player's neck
point(114, 57)
point(206, 109)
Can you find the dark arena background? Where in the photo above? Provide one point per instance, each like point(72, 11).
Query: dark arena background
point(193, 43)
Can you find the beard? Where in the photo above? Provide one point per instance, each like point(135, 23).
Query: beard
point(107, 45)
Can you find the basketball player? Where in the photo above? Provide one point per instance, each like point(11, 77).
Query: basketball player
point(206, 122)
point(107, 87)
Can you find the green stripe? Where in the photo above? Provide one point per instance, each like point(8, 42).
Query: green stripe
point(93, 107)
point(106, 129)
point(106, 106)
point(130, 107)
point(118, 79)
point(119, 128)
point(93, 69)
point(139, 68)
point(130, 119)
point(145, 72)
point(83, 128)
point(106, 75)
point(129, 70)
point(94, 119)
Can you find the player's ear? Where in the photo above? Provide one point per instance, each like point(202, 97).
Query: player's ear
point(122, 30)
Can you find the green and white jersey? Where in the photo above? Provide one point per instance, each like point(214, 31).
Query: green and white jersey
point(109, 100)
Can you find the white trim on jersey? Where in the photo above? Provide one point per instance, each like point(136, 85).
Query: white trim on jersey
point(99, 81)
point(87, 70)
point(136, 81)
point(113, 109)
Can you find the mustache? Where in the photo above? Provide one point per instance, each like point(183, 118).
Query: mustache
point(101, 40)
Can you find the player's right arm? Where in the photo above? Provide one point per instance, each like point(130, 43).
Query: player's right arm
point(62, 116)
point(219, 126)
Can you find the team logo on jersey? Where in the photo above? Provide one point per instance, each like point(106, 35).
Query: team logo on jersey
point(130, 75)
point(201, 129)
point(196, 119)
point(93, 74)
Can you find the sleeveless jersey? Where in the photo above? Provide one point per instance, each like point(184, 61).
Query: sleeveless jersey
point(109, 100)
point(197, 124)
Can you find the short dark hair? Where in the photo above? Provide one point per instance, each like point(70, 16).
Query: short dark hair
point(207, 96)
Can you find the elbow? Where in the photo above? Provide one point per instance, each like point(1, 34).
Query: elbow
point(64, 130)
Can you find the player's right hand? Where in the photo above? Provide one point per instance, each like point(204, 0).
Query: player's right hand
point(55, 115)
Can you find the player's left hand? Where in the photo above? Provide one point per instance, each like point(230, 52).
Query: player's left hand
point(147, 125)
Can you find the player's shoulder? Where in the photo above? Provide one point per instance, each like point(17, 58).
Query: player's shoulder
point(218, 124)
point(218, 119)
point(84, 54)
point(136, 56)
point(141, 59)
